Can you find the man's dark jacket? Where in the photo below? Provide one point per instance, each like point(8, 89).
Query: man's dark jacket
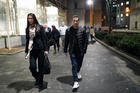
point(82, 40)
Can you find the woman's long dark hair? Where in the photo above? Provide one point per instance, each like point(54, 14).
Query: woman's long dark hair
point(34, 18)
point(53, 28)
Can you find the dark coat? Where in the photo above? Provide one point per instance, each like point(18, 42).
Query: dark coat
point(82, 40)
point(55, 35)
point(39, 41)
point(48, 34)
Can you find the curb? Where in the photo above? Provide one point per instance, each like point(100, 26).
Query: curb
point(120, 53)
point(12, 52)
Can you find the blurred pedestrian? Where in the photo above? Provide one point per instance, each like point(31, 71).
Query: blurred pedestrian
point(62, 31)
point(88, 32)
point(48, 35)
point(92, 33)
point(55, 35)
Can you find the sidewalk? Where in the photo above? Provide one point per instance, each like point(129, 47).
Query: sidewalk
point(6, 51)
point(103, 71)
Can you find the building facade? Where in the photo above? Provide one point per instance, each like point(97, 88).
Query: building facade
point(13, 14)
point(82, 9)
point(135, 15)
point(123, 14)
point(97, 14)
point(13, 17)
point(76, 7)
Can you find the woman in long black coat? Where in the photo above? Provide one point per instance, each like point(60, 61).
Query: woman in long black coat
point(55, 35)
point(36, 47)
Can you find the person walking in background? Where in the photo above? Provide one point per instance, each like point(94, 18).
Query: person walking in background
point(36, 46)
point(55, 35)
point(88, 32)
point(62, 31)
point(76, 40)
point(92, 33)
point(85, 27)
point(48, 35)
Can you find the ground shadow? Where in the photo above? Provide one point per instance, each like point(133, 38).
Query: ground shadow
point(24, 85)
point(134, 67)
point(92, 42)
point(66, 80)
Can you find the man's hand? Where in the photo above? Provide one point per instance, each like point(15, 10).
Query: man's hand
point(46, 53)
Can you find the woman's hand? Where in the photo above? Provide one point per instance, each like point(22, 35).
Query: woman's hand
point(25, 54)
point(46, 53)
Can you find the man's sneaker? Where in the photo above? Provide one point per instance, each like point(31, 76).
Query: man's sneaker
point(79, 76)
point(76, 85)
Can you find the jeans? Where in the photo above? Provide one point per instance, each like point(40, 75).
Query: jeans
point(76, 61)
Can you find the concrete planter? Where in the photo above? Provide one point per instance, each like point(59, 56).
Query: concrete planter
point(23, 40)
point(2, 42)
point(14, 41)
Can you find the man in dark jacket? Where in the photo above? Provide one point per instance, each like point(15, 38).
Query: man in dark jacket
point(48, 35)
point(77, 41)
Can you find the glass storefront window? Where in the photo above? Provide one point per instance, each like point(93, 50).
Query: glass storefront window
point(52, 16)
point(7, 22)
point(3, 19)
point(23, 8)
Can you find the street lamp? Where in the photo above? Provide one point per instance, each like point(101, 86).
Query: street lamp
point(90, 3)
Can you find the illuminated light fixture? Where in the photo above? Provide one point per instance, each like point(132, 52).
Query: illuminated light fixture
point(121, 15)
point(122, 4)
point(90, 2)
point(127, 2)
point(127, 10)
point(127, 14)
